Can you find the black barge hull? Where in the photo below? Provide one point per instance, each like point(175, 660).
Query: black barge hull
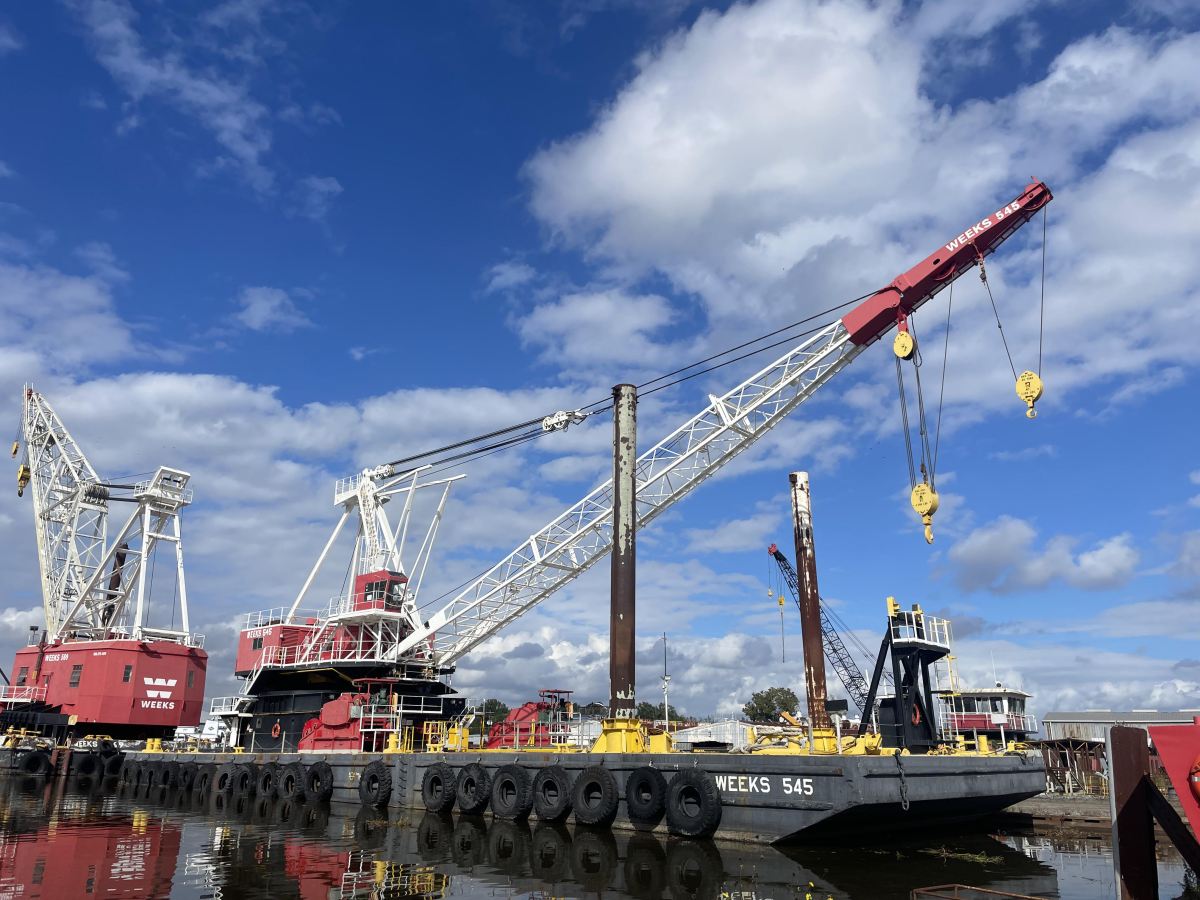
point(764, 798)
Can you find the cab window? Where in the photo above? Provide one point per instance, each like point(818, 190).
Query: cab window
point(395, 595)
point(22, 675)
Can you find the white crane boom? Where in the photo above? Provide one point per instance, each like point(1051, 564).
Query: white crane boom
point(582, 535)
point(70, 508)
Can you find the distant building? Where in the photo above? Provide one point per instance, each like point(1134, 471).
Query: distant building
point(594, 710)
point(1092, 724)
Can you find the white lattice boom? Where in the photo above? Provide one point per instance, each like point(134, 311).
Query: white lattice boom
point(87, 580)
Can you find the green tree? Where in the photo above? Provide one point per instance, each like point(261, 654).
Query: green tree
point(766, 706)
point(494, 710)
point(650, 711)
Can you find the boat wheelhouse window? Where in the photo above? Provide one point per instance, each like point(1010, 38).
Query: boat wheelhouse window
point(256, 643)
point(968, 704)
point(128, 674)
point(191, 677)
point(1016, 706)
point(997, 704)
point(76, 674)
point(22, 675)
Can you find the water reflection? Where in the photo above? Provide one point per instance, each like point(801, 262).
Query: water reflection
point(79, 839)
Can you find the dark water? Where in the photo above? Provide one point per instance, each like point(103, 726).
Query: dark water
point(68, 839)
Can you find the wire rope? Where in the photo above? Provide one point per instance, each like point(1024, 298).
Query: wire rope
point(937, 442)
point(912, 472)
point(987, 284)
point(926, 456)
point(1042, 308)
point(762, 337)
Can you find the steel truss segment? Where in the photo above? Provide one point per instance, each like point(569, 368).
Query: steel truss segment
point(70, 513)
point(582, 535)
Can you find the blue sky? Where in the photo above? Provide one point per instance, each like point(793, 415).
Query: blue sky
point(273, 242)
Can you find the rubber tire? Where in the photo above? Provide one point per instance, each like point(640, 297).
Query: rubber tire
point(468, 846)
point(434, 836)
point(550, 853)
point(318, 782)
point(268, 780)
point(114, 763)
point(552, 794)
point(370, 831)
point(206, 777)
point(595, 797)
point(646, 796)
point(645, 867)
point(473, 788)
point(512, 793)
point(168, 773)
point(375, 784)
point(508, 847)
point(88, 765)
point(693, 804)
point(593, 859)
point(245, 779)
point(128, 771)
point(291, 782)
point(694, 870)
point(187, 775)
point(438, 791)
point(222, 782)
point(152, 776)
point(35, 762)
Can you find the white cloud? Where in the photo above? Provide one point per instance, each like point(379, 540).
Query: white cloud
point(1025, 454)
point(9, 40)
point(6, 170)
point(507, 275)
point(782, 154)
point(739, 535)
point(269, 309)
point(223, 107)
point(1187, 563)
point(1000, 558)
point(316, 196)
point(599, 327)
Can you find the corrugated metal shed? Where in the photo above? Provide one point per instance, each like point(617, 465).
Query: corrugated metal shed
point(1090, 724)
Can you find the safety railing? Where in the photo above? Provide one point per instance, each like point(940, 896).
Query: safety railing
point(19, 693)
point(164, 488)
point(909, 627)
point(224, 705)
point(265, 618)
point(989, 721)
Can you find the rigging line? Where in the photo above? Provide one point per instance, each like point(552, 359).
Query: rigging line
point(926, 456)
point(755, 340)
point(1042, 310)
point(727, 362)
point(987, 285)
point(483, 451)
point(912, 473)
point(506, 445)
point(474, 440)
point(942, 393)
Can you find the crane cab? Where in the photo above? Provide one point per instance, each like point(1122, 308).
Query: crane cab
point(383, 590)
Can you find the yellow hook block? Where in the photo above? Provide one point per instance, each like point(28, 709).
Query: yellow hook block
point(904, 345)
point(925, 502)
point(1029, 389)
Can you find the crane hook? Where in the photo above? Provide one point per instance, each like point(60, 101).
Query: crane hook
point(925, 502)
point(1029, 389)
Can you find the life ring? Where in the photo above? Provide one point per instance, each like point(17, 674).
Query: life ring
point(916, 715)
point(1194, 778)
point(275, 731)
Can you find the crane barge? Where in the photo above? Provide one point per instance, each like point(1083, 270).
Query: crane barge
point(355, 696)
point(103, 663)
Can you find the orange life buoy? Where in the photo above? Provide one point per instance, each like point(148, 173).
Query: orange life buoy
point(1194, 778)
point(916, 716)
point(275, 731)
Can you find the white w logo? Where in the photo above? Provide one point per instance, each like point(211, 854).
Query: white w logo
point(159, 682)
